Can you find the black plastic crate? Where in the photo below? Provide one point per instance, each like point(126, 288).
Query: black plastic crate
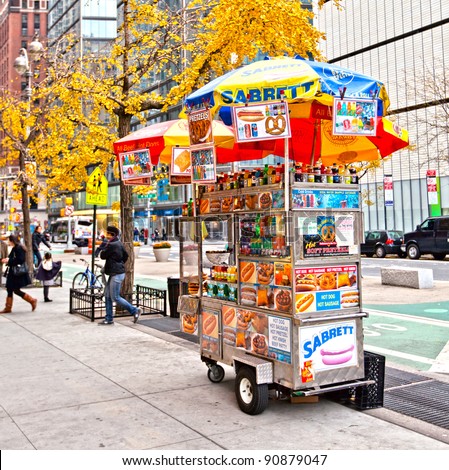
point(371, 396)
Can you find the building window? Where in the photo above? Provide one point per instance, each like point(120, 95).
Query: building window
point(24, 24)
point(37, 22)
point(37, 5)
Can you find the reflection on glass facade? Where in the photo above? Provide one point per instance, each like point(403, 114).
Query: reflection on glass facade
point(98, 23)
point(405, 44)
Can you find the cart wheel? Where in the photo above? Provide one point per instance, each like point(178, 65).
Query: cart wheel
point(215, 374)
point(251, 396)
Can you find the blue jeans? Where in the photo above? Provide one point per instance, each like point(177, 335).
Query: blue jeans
point(112, 294)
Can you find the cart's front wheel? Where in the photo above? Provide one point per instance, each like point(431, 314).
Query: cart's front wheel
point(251, 396)
point(215, 373)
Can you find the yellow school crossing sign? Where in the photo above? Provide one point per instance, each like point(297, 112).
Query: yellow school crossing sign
point(97, 189)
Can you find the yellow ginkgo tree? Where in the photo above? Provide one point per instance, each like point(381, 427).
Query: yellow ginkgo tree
point(190, 45)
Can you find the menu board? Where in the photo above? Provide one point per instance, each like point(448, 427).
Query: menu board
point(259, 333)
point(326, 288)
point(203, 164)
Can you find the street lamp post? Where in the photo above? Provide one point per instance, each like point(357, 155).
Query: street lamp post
point(23, 66)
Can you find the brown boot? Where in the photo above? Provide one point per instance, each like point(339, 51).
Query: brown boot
point(31, 301)
point(8, 305)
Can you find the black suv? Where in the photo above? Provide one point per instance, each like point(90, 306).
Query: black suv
point(431, 237)
point(382, 243)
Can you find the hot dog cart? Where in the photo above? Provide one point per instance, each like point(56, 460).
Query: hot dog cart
point(281, 300)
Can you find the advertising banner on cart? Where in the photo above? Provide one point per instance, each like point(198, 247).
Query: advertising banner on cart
point(262, 122)
point(327, 235)
point(326, 288)
point(354, 116)
point(203, 164)
point(328, 346)
point(209, 326)
point(180, 166)
point(259, 333)
point(324, 199)
point(135, 164)
point(200, 127)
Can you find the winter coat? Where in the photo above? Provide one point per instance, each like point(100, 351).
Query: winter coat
point(17, 256)
point(37, 239)
point(115, 255)
point(48, 270)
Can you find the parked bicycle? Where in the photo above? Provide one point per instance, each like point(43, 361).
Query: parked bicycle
point(88, 280)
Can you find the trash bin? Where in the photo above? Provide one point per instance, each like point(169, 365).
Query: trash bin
point(173, 295)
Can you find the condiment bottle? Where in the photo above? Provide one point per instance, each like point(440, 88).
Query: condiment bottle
point(336, 177)
point(277, 178)
point(354, 176)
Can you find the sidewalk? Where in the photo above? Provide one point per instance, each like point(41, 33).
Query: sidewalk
point(67, 383)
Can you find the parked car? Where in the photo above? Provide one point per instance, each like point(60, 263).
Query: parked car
point(382, 243)
point(430, 237)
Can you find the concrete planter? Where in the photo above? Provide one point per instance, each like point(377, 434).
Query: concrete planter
point(161, 254)
point(190, 258)
point(136, 251)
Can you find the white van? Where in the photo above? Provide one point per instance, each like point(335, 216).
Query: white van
point(81, 230)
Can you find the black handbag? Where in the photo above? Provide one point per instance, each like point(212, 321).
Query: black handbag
point(19, 269)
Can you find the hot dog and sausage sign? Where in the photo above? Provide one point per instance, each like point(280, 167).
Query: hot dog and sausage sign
point(328, 346)
point(261, 122)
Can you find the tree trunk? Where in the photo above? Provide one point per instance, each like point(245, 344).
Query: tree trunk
point(126, 214)
point(26, 219)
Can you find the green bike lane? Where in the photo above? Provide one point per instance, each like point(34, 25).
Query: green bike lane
point(413, 335)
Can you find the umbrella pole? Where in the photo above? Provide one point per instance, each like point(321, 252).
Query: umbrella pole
point(315, 131)
point(286, 176)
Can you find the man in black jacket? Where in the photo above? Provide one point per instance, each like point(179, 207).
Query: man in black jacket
point(38, 238)
point(116, 256)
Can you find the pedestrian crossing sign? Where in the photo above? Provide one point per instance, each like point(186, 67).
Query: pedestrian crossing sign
point(97, 189)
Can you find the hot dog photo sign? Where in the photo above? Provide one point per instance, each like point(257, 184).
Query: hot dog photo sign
point(326, 288)
point(262, 121)
point(328, 346)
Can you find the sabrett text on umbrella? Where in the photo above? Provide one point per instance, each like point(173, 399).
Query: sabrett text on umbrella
point(266, 94)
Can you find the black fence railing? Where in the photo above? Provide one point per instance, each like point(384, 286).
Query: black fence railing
point(92, 304)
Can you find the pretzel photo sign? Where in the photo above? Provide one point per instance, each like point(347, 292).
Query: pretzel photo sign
point(261, 121)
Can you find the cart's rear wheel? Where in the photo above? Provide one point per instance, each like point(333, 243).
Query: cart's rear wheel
point(251, 396)
point(215, 373)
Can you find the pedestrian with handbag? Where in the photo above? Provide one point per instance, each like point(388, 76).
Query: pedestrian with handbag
point(3, 255)
point(18, 275)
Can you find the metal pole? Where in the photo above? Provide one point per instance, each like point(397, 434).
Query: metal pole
point(94, 238)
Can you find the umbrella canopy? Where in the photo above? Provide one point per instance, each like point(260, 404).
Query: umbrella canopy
point(312, 139)
point(310, 88)
point(161, 137)
point(300, 80)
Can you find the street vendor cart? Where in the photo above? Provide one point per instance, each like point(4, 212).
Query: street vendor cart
point(280, 299)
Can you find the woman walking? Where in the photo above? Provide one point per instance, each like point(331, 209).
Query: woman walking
point(14, 282)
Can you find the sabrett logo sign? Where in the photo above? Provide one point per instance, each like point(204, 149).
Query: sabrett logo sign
point(324, 336)
point(257, 95)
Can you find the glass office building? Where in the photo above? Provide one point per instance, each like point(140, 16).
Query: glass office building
point(405, 44)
